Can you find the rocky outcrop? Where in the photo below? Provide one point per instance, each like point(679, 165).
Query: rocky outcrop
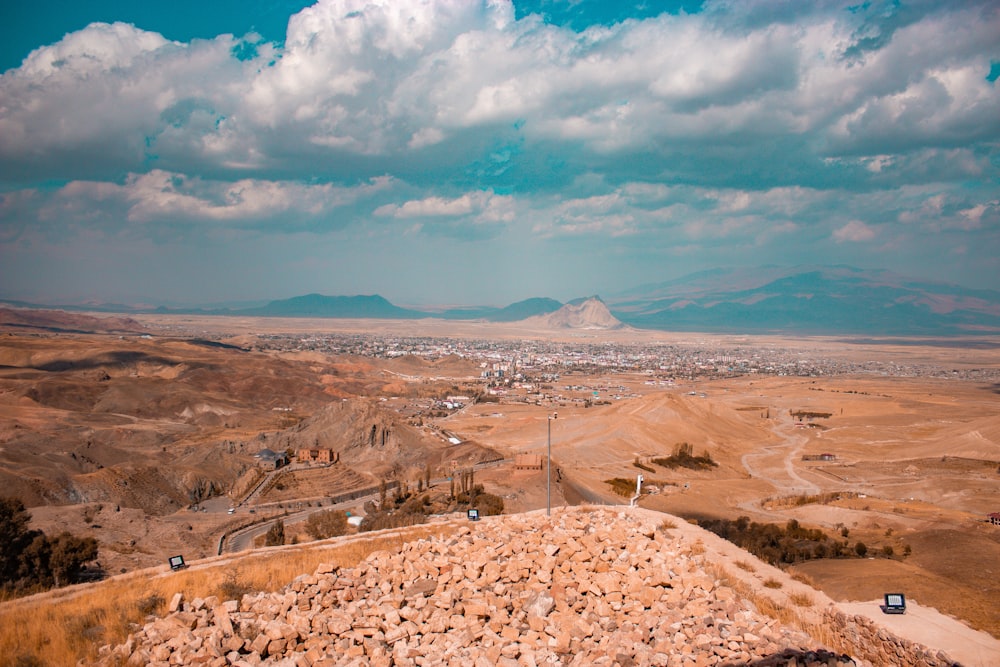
point(583, 587)
point(369, 438)
point(590, 313)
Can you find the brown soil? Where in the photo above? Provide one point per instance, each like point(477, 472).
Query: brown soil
point(138, 423)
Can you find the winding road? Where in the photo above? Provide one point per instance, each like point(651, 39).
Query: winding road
point(766, 462)
point(243, 538)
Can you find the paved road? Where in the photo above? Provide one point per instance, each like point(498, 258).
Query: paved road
point(243, 539)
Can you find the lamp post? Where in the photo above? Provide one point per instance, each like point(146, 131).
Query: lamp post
point(548, 468)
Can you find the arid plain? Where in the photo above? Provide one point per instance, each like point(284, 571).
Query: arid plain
point(116, 428)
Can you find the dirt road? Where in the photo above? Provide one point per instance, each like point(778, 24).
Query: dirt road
point(766, 462)
point(928, 626)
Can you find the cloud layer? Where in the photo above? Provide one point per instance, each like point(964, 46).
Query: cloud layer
point(741, 134)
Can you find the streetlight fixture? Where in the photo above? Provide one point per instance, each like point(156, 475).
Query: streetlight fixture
point(548, 467)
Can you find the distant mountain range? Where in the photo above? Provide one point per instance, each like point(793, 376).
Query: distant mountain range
point(514, 312)
point(819, 300)
point(317, 305)
point(806, 299)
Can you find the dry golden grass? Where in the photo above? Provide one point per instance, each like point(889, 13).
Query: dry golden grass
point(69, 625)
point(803, 578)
point(762, 600)
point(785, 614)
point(747, 567)
point(801, 599)
point(772, 583)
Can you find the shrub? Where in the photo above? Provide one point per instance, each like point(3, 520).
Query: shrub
point(29, 560)
point(275, 534)
point(488, 504)
point(322, 525)
point(683, 457)
point(801, 599)
point(232, 587)
point(412, 510)
point(621, 486)
point(642, 466)
point(150, 605)
point(804, 579)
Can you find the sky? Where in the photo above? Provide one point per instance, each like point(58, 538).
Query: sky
point(482, 152)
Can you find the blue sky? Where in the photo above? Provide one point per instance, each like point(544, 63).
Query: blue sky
point(451, 151)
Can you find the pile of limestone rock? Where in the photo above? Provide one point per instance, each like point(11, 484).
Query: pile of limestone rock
point(582, 587)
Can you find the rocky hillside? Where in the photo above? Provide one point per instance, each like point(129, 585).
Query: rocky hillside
point(63, 322)
point(373, 440)
point(582, 587)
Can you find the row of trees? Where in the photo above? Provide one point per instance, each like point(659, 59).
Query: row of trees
point(406, 508)
point(30, 560)
point(786, 544)
point(683, 457)
point(319, 526)
point(399, 506)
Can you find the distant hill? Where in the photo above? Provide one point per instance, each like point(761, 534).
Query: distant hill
point(512, 313)
point(59, 321)
point(828, 300)
point(587, 313)
point(317, 305)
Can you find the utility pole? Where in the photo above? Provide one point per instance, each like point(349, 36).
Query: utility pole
point(548, 467)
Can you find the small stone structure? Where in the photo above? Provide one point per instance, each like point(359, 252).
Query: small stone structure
point(528, 462)
point(269, 459)
point(317, 455)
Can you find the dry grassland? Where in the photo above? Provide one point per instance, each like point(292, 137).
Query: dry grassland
point(65, 626)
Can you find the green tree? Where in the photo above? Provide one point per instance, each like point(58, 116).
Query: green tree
point(275, 534)
point(29, 559)
point(14, 537)
point(68, 555)
point(860, 549)
point(33, 565)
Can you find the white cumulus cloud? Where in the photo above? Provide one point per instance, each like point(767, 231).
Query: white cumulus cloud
point(854, 231)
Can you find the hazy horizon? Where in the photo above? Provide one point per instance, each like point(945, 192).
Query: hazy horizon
point(485, 152)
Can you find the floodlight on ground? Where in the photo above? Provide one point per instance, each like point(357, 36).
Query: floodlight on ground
point(895, 603)
point(177, 563)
